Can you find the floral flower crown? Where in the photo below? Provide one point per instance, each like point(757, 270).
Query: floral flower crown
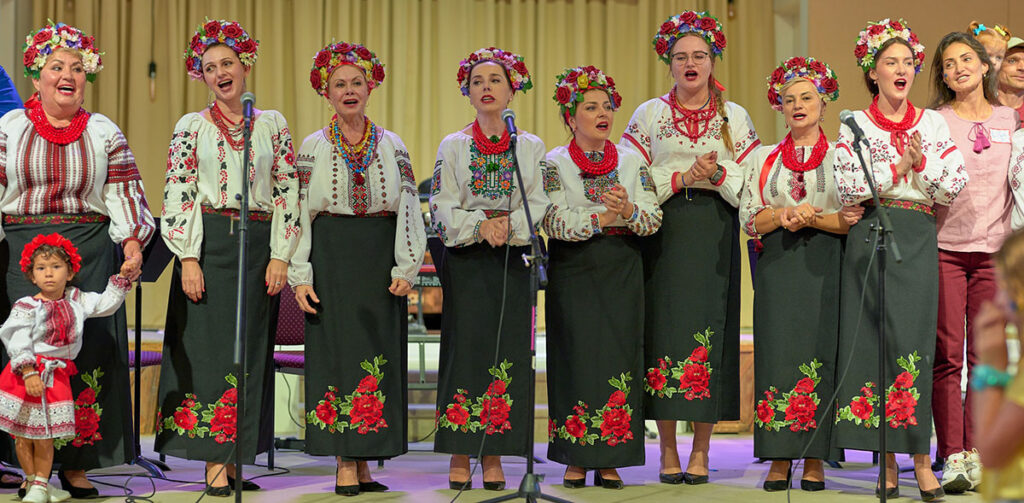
point(572, 83)
point(817, 72)
point(701, 24)
point(876, 34)
point(229, 33)
point(513, 63)
point(55, 240)
point(342, 53)
point(43, 42)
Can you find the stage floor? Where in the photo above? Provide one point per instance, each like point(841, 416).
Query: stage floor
point(422, 477)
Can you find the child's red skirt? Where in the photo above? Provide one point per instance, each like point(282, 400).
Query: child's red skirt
point(27, 416)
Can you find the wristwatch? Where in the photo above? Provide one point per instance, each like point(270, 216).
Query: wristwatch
point(716, 177)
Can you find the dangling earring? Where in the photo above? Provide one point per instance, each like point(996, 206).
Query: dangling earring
point(210, 100)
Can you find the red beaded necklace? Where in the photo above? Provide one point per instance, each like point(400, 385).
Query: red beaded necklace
point(813, 161)
point(233, 132)
point(898, 136)
point(591, 168)
point(488, 146)
point(692, 119)
point(58, 135)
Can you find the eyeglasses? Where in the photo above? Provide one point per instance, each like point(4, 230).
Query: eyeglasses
point(682, 57)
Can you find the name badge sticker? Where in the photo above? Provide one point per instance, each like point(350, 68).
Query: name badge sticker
point(1001, 135)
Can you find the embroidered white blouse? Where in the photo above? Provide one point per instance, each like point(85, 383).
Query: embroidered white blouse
point(666, 150)
point(469, 187)
point(576, 196)
point(938, 179)
point(776, 186)
point(96, 174)
point(31, 331)
point(1016, 176)
point(203, 170)
point(326, 185)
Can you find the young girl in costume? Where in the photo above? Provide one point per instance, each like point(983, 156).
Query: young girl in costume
point(43, 335)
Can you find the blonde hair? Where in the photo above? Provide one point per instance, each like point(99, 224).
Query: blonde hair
point(995, 33)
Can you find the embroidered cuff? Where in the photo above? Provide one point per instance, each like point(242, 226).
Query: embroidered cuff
point(722, 179)
point(924, 160)
point(895, 176)
point(635, 215)
point(675, 187)
point(595, 223)
point(476, 232)
point(122, 283)
point(21, 361)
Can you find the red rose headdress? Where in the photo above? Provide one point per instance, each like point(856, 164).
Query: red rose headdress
point(42, 42)
point(56, 240)
point(519, 76)
point(229, 33)
point(876, 34)
point(334, 55)
point(701, 24)
point(817, 72)
point(573, 82)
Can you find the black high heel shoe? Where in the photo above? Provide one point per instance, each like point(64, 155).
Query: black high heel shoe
point(92, 492)
point(498, 485)
point(671, 478)
point(606, 483)
point(933, 495)
point(247, 485)
point(780, 485)
point(352, 490)
point(693, 480)
point(890, 492)
point(575, 483)
point(372, 487)
point(455, 485)
point(812, 485)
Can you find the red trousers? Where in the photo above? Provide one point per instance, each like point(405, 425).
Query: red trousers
point(966, 280)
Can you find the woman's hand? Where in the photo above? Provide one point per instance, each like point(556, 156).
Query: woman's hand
point(306, 297)
point(33, 385)
point(400, 287)
point(132, 266)
point(851, 214)
point(277, 274)
point(794, 218)
point(495, 231)
point(704, 166)
point(192, 282)
point(913, 154)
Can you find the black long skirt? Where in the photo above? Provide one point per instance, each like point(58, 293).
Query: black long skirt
point(692, 316)
point(796, 335)
point(477, 399)
point(198, 379)
point(356, 344)
point(595, 339)
point(911, 308)
point(104, 435)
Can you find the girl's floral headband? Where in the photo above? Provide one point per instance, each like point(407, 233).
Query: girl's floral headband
point(817, 72)
point(572, 83)
point(334, 55)
point(229, 33)
point(519, 76)
point(701, 24)
point(871, 39)
point(41, 43)
point(55, 240)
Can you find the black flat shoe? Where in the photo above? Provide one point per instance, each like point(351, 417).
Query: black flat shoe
point(494, 486)
point(220, 492)
point(455, 485)
point(372, 487)
point(671, 478)
point(85, 492)
point(812, 485)
point(606, 483)
point(347, 490)
point(693, 480)
point(247, 485)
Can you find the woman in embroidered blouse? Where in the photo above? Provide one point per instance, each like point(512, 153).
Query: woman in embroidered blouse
point(970, 229)
point(357, 335)
point(789, 201)
point(93, 195)
point(602, 197)
point(697, 146)
point(203, 164)
point(477, 210)
point(915, 165)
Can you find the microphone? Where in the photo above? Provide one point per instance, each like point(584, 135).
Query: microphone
point(846, 117)
point(248, 99)
point(510, 122)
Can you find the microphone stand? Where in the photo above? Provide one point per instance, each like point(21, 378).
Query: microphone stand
point(884, 230)
point(529, 487)
point(240, 310)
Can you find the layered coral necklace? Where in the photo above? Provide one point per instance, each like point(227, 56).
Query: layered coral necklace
point(695, 123)
point(232, 131)
point(591, 168)
point(492, 145)
point(58, 135)
point(818, 152)
point(897, 130)
point(359, 156)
